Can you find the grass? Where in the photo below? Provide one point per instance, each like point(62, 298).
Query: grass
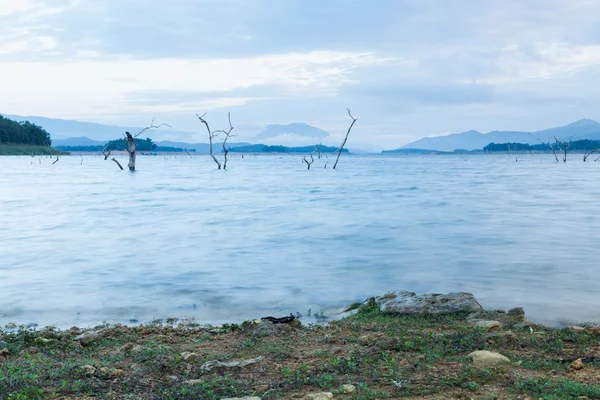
point(381, 355)
point(14, 149)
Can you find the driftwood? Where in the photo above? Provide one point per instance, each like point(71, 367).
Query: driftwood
point(283, 320)
point(345, 138)
point(207, 366)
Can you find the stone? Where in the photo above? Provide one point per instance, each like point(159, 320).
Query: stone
point(576, 365)
point(489, 326)
point(4, 353)
point(577, 328)
point(11, 325)
point(261, 388)
point(137, 349)
point(243, 398)
point(517, 313)
point(408, 303)
point(319, 396)
point(87, 338)
point(194, 382)
point(348, 389)
point(88, 370)
point(487, 359)
point(116, 373)
point(187, 356)
point(265, 328)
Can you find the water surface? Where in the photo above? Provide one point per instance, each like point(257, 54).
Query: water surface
point(82, 242)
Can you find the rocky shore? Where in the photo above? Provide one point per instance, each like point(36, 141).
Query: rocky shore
point(397, 345)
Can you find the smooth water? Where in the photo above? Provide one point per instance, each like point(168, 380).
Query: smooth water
point(82, 242)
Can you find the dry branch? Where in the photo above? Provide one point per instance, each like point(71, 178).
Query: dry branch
point(152, 126)
point(564, 146)
point(345, 138)
point(547, 144)
point(118, 163)
point(131, 142)
point(308, 164)
point(228, 134)
point(211, 136)
point(55, 161)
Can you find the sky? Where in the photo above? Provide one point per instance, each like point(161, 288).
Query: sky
point(406, 68)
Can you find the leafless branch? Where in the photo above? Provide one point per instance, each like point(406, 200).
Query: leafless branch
point(55, 161)
point(564, 146)
point(547, 144)
point(106, 155)
point(345, 138)
point(118, 163)
point(152, 126)
point(585, 156)
point(228, 134)
point(188, 153)
point(211, 135)
point(308, 164)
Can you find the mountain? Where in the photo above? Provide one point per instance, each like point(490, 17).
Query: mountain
point(295, 129)
point(63, 129)
point(473, 140)
point(78, 141)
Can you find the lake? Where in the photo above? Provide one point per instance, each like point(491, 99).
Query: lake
point(82, 242)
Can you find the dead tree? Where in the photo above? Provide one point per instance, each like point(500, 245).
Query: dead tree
point(585, 156)
point(549, 145)
point(131, 142)
point(55, 161)
point(211, 136)
point(227, 134)
point(308, 164)
point(118, 163)
point(345, 138)
point(564, 146)
point(106, 155)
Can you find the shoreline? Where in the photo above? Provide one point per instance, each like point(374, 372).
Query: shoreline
point(396, 345)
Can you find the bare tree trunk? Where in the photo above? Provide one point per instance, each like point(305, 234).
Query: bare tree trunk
point(131, 151)
point(118, 163)
point(564, 147)
point(228, 134)
point(55, 161)
point(106, 155)
point(308, 164)
point(211, 135)
point(345, 139)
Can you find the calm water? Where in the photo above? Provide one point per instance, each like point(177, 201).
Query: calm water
point(86, 243)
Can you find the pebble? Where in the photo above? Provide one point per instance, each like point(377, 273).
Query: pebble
point(88, 370)
point(348, 389)
point(576, 365)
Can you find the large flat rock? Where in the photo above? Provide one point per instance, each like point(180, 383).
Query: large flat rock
point(409, 303)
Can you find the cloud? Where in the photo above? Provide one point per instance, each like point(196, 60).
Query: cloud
point(410, 68)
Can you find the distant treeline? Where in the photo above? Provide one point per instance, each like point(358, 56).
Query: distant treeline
point(23, 133)
point(581, 145)
point(262, 148)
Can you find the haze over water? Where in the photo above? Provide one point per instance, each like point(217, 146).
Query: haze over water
point(85, 243)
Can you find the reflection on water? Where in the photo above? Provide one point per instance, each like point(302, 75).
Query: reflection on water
point(85, 243)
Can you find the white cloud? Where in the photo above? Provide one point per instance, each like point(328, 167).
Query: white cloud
point(8, 7)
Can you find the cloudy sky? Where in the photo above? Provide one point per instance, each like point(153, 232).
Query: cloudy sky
point(406, 68)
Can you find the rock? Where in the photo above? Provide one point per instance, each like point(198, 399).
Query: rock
point(319, 396)
point(104, 371)
point(517, 313)
point(11, 325)
point(116, 373)
point(594, 330)
point(194, 382)
point(486, 359)
point(187, 356)
point(265, 328)
point(489, 326)
point(577, 328)
point(406, 303)
point(261, 388)
point(576, 365)
point(348, 389)
point(87, 338)
point(243, 398)
point(4, 353)
point(88, 370)
point(137, 349)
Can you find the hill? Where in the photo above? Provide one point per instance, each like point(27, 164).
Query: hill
point(472, 140)
point(295, 129)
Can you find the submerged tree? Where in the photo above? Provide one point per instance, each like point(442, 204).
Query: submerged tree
point(564, 146)
point(345, 138)
point(308, 164)
point(214, 134)
point(131, 142)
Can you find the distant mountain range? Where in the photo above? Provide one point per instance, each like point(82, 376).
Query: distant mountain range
point(76, 133)
point(473, 140)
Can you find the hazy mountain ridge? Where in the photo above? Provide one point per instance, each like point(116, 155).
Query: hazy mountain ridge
point(473, 140)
